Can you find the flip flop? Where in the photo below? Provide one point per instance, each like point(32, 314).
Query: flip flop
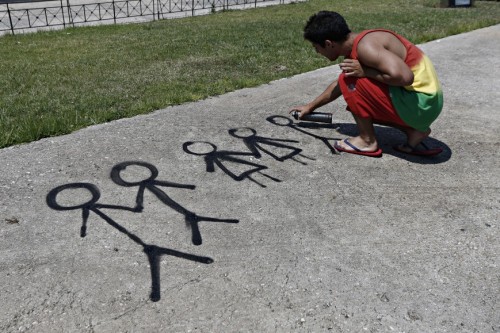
point(414, 151)
point(355, 150)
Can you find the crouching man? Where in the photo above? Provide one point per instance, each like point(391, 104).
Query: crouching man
point(385, 80)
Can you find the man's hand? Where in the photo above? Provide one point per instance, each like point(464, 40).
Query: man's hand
point(352, 67)
point(303, 109)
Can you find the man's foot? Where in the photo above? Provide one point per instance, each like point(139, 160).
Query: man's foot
point(414, 137)
point(426, 151)
point(415, 145)
point(348, 147)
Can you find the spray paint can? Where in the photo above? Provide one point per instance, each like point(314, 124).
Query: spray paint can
point(318, 117)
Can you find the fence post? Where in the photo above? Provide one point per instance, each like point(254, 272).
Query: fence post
point(62, 13)
point(28, 15)
point(10, 20)
point(192, 7)
point(114, 12)
point(70, 17)
point(46, 19)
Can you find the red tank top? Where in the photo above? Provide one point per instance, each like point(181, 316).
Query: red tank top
point(420, 103)
point(413, 53)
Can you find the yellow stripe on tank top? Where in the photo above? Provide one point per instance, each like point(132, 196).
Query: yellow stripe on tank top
point(425, 79)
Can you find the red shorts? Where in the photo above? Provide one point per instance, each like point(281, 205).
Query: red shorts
point(367, 98)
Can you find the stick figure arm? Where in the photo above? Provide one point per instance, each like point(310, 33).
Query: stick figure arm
point(170, 184)
point(270, 141)
point(199, 218)
point(130, 209)
point(183, 255)
point(234, 153)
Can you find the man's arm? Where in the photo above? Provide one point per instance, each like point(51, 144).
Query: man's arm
point(331, 93)
point(380, 59)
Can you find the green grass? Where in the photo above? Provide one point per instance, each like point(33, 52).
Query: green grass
point(53, 83)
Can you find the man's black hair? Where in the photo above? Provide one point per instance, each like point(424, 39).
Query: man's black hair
point(326, 25)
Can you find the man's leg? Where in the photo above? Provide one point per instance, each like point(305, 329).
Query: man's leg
point(369, 103)
point(366, 140)
point(413, 137)
point(413, 140)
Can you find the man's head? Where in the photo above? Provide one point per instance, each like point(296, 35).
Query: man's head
point(324, 26)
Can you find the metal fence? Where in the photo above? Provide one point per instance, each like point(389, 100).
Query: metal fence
point(62, 13)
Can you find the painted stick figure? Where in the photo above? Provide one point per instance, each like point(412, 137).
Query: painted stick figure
point(151, 184)
point(286, 122)
point(86, 207)
point(255, 143)
point(214, 157)
point(153, 252)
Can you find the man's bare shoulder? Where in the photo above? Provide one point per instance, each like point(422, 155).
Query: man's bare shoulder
point(377, 40)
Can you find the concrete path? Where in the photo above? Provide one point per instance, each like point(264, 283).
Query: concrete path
point(185, 231)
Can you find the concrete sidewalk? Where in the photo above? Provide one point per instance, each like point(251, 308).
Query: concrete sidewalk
point(296, 240)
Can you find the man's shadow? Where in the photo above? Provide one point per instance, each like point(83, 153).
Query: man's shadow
point(389, 137)
point(153, 252)
point(384, 134)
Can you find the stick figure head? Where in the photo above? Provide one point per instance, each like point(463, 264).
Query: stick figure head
point(199, 148)
point(52, 196)
point(280, 120)
point(242, 132)
point(117, 178)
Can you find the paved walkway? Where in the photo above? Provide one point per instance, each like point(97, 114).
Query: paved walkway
point(295, 240)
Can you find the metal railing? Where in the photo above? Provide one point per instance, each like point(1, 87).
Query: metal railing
point(65, 14)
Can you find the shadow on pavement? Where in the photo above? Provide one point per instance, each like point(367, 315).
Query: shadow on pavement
point(388, 137)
